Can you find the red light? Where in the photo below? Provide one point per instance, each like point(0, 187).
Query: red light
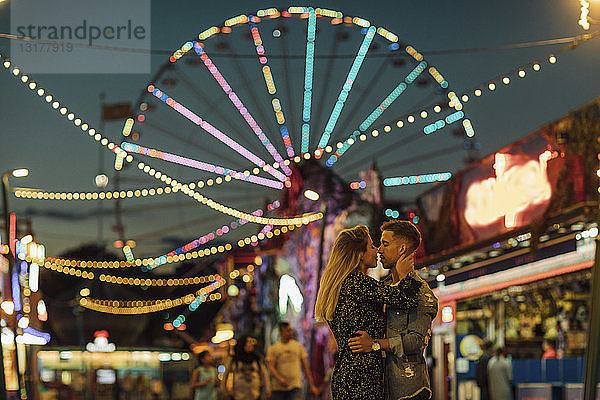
point(118, 244)
point(286, 14)
point(181, 327)
point(151, 88)
point(288, 184)
point(141, 118)
point(354, 185)
point(168, 326)
point(103, 333)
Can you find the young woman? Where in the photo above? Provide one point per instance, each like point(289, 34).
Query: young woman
point(204, 378)
point(249, 371)
point(349, 300)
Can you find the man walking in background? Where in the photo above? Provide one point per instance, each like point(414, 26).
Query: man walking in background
point(481, 369)
point(285, 359)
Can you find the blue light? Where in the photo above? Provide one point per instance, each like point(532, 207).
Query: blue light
point(394, 46)
point(339, 105)
point(308, 78)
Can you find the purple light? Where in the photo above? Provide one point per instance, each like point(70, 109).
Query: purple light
point(213, 131)
point(238, 104)
point(200, 165)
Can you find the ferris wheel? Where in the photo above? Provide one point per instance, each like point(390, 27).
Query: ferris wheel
point(232, 110)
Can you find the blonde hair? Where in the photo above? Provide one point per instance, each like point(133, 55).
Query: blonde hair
point(348, 248)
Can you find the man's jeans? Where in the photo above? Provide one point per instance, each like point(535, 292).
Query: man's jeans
point(294, 394)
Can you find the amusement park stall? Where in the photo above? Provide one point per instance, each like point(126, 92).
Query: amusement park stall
point(509, 245)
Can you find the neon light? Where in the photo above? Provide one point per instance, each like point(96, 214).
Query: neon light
point(240, 19)
point(416, 179)
point(585, 11)
point(134, 148)
point(208, 33)
point(212, 130)
point(468, 127)
point(439, 124)
point(509, 193)
point(288, 289)
point(34, 277)
point(387, 34)
point(309, 65)
point(339, 105)
point(240, 107)
point(260, 50)
point(12, 233)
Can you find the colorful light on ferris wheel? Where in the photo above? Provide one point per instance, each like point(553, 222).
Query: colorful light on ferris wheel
point(343, 96)
point(240, 107)
point(212, 130)
point(309, 64)
point(394, 94)
point(270, 82)
point(188, 162)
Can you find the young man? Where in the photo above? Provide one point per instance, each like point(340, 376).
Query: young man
point(284, 360)
point(408, 332)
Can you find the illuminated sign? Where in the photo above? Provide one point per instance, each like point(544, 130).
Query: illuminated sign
point(288, 289)
point(517, 186)
point(100, 343)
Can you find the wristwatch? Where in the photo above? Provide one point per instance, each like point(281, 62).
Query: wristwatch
point(375, 346)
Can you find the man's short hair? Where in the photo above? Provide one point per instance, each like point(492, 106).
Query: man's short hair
point(283, 324)
point(404, 229)
point(487, 344)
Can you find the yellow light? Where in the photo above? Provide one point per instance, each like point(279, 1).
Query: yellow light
point(387, 128)
point(536, 67)
point(552, 59)
point(84, 292)
point(492, 86)
point(311, 195)
point(521, 73)
point(477, 92)
point(375, 133)
point(410, 119)
point(20, 173)
point(399, 124)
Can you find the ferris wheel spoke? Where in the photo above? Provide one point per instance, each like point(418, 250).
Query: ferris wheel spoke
point(339, 104)
point(376, 113)
point(308, 78)
point(240, 107)
point(201, 165)
point(216, 109)
point(271, 88)
point(190, 115)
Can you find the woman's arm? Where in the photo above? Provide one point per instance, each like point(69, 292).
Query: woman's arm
point(401, 296)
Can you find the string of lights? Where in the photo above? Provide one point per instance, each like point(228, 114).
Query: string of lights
point(299, 220)
point(67, 266)
point(271, 88)
point(302, 220)
point(173, 256)
point(61, 109)
point(416, 179)
point(30, 193)
point(135, 307)
point(120, 280)
point(188, 162)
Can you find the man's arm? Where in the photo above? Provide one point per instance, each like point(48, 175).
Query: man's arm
point(418, 332)
point(275, 374)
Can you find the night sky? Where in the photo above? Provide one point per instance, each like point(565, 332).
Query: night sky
point(60, 158)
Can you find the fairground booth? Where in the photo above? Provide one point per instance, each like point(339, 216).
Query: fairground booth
point(509, 244)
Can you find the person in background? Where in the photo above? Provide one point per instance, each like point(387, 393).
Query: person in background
point(481, 369)
point(204, 378)
point(249, 372)
point(285, 359)
point(548, 347)
point(500, 376)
